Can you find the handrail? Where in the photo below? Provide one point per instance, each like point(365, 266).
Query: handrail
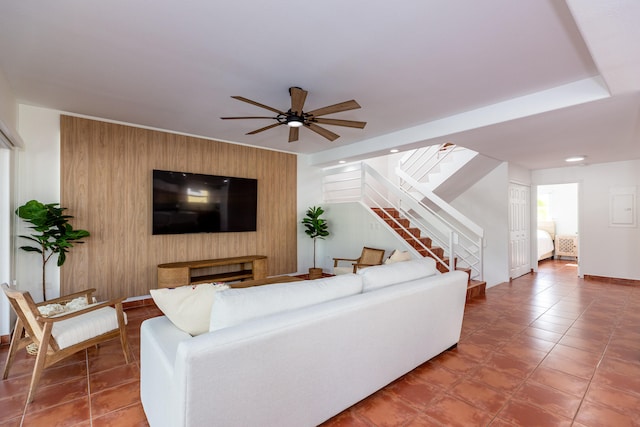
point(446, 207)
point(419, 163)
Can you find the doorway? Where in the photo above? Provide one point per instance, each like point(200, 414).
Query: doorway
point(557, 219)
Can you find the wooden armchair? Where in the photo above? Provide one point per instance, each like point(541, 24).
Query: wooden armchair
point(368, 257)
point(62, 335)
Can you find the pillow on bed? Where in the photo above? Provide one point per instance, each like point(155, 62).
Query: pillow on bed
point(188, 307)
point(380, 276)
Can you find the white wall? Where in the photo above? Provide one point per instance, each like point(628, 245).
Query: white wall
point(604, 250)
point(9, 118)
point(309, 194)
point(5, 236)
point(37, 177)
point(486, 204)
point(519, 174)
point(350, 225)
point(8, 105)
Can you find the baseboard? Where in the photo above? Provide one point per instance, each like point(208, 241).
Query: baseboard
point(613, 280)
point(138, 303)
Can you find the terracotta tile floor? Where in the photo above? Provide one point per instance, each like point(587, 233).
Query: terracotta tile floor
point(544, 350)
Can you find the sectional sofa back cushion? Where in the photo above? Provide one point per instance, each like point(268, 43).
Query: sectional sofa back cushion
point(234, 306)
point(380, 276)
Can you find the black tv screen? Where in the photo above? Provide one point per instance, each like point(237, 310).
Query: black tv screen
point(194, 203)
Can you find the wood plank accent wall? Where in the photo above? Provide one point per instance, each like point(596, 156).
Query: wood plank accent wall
point(106, 176)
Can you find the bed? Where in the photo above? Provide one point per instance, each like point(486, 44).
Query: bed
point(546, 236)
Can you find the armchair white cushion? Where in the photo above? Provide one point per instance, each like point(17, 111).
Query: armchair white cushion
point(77, 329)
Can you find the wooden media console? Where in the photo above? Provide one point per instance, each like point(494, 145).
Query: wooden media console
point(184, 273)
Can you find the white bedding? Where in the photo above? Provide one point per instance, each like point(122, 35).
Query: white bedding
point(545, 245)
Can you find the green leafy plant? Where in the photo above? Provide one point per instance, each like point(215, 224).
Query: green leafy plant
point(315, 227)
point(53, 233)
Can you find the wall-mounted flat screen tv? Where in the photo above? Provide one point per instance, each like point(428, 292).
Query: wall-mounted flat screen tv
point(195, 203)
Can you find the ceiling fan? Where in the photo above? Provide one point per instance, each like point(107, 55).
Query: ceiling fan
point(295, 117)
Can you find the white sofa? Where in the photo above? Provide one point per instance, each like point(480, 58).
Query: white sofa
point(296, 354)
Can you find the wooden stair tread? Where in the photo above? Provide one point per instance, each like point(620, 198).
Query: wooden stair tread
point(402, 226)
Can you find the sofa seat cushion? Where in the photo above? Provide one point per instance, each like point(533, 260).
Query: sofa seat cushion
point(91, 324)
point(188, 307)
point(380, 276)
point(234, 306)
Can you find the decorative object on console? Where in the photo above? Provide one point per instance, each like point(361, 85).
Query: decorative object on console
point(54, 233)
point(316, 228)
point(368, 257)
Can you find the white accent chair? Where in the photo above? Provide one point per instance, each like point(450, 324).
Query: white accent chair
point(62, 335)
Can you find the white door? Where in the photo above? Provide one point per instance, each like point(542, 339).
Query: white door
point(519, 235)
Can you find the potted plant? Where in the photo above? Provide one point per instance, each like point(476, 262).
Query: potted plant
point(53, 233)
point(316, 228)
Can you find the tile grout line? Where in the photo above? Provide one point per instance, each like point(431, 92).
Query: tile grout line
point(555, 344)
point(617, 322)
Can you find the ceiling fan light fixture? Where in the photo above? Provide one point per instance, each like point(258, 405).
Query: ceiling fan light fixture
point(295, 121)
point(574, 159)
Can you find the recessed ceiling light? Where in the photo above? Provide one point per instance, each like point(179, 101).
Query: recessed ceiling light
point(395, 150)
point(575, 159)
point(342, 161)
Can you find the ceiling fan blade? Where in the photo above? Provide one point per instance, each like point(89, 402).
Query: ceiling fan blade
point(234, 118)
point(257, 104)
point(335, 108)
point(336, 122)
point(253, 132)
point(298, 96)
point(324, 132)
point(293, 134)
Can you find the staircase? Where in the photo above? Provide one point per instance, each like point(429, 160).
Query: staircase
point(402, 226)
point(424, 223)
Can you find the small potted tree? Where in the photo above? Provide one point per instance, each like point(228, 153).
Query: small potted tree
point(54, 234)
point(316, 228)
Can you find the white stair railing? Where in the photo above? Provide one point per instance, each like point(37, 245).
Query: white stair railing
point(361, 183)
point(433, 165)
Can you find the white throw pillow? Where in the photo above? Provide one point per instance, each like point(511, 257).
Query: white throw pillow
point(398, 256)
point(188, 307)
point(380, 276)
point(235, 306)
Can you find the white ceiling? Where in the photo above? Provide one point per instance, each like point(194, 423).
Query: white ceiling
point(527, 81)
